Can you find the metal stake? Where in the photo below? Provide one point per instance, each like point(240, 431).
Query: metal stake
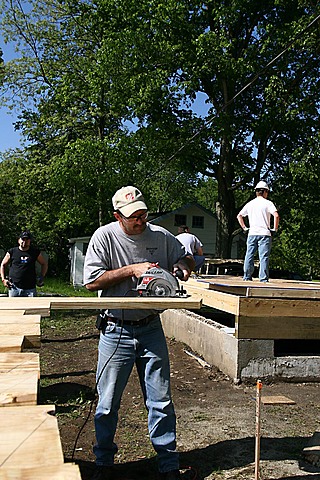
point(257, 449)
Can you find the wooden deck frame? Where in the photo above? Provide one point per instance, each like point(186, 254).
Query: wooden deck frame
point(278, 310)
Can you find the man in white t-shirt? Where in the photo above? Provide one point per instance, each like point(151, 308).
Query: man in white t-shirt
point(259, 212)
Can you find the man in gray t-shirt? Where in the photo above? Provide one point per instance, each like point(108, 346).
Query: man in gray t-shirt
point(118, 254)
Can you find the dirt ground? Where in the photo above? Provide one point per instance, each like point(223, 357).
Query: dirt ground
point(216, 418)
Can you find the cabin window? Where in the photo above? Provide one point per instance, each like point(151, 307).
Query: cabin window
point(197, 222)
point(180, 220)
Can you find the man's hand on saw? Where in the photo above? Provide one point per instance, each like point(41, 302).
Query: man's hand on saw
point(139, 269)
point(184, 266)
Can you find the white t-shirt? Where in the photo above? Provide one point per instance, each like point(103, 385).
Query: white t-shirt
point(259, 212)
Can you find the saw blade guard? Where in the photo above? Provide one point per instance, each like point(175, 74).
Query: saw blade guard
point(158, 282)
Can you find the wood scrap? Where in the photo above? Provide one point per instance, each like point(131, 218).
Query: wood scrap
point(311, 452)
point(202, 362)
point(277, 400)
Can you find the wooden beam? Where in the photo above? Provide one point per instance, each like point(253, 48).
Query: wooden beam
point(18, 388)
point(125, 303)
point(276, 307)
point(29, 433)
point(22, 362)
point(19, 319)
point(67, 471)
point(11, 343)
point(276, 328)
point(42, 306)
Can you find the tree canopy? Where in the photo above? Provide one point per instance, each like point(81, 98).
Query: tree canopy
point(106, 90)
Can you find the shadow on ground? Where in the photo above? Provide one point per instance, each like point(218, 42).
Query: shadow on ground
point(226, 455)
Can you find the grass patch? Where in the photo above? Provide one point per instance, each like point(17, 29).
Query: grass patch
point(56, 286)
point(68, 323)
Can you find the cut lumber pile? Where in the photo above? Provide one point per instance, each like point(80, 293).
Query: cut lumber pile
point(30, 446)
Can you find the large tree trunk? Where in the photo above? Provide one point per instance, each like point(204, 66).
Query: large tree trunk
point(225, 206)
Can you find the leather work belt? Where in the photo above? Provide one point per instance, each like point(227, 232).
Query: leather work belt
point(133, 323)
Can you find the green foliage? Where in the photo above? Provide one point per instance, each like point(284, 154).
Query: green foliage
point(297, 192)
point(207, 193)
point(59, 287)
point(87, 71)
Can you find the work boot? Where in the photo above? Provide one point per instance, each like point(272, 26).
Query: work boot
point(103, 473)
point(172, 475)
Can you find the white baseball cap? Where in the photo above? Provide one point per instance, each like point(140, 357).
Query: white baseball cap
point(128, 200)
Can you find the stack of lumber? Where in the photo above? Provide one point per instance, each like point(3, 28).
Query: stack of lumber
point(30, 447)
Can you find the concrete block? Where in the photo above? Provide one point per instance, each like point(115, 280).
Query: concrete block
point(241, 360)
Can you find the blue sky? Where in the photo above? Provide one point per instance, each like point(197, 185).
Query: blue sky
point(9, 138)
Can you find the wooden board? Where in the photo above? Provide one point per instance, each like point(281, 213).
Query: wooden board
point(222, 301)
point(282, 327)
point(126, 303)
point(9, 313)
point(30, 332)
point(42, 306)
point(277, 307)
point(277, 400)
point(29, 436)
point(11, 343)
point(67, 471)
point(18, 388)
point(269, 290)
point(30, 305)
point(23, 362)
point(313, 446)
point(19, 319)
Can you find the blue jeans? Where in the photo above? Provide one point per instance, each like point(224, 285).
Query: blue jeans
point(22, 292)
point(199, 259)
point(262, 244)
point(146, 347)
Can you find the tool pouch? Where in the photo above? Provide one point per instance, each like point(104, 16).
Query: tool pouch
point(101, 321)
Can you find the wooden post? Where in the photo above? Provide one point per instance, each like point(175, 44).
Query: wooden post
point(257, 449)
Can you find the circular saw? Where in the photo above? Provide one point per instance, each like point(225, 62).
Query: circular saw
point(158, 282)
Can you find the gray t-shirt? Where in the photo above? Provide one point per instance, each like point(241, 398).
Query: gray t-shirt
point(190, 241)
point(111, 248)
